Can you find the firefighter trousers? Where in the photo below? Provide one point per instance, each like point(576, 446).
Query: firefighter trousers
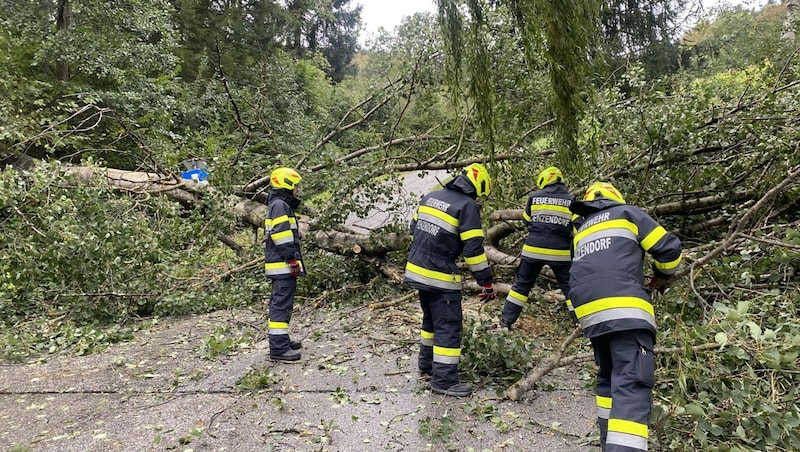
point(281, 303)
point(527, 272)
point(625, 380)
point(440, 336)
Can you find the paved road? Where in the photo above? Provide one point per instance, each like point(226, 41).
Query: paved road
point(414, 186)
point(355, 389)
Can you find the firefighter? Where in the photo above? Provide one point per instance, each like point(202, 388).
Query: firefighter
point(548, 219)
point(614, 308)
point(446, 225)
point(282, 261)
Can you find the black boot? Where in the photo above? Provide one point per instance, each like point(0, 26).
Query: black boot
point(295, 345)
point(457, 390)
point(288, 355)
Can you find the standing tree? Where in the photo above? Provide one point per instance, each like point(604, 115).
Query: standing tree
point(642, 31)
point(326, 26)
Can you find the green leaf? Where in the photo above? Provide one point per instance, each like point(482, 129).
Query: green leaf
point(694, 410)
point(755, 330)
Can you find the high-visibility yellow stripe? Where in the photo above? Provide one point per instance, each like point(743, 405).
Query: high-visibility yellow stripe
point(629, 427)
point(426, 334)
point(525, 216)
point(275, 265)
point(444, 351)
point(551, 207)
point(610, 224)
point(439, 214)
point(432, 274)
point(666, 266)
point(279, 220)
point(603, 402)
point(278, 325)
point(546, 251)
point(614, 302)
point(471, 234)
point(517, 296)
point(653, 237)
point(475, 259)
point(281, 235)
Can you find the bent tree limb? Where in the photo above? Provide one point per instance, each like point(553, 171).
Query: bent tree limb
point(743, 224)
point(527, 383)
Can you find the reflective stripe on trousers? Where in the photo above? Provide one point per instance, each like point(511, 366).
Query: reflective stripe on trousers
point(625, 380)
point(441, 313)
point(281, 303)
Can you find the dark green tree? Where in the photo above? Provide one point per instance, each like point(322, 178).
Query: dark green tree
point(81, 66)
point(240, 33)
point(575, 41)
point(231, 34)
point(643, 31)
point(326, 26)
point(337, 38)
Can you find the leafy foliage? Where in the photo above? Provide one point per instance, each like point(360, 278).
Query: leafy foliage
point(499, 356)
point(245, 86)
point(743, 396)
point(79, 252)
point(734, 39)
point(258, 379)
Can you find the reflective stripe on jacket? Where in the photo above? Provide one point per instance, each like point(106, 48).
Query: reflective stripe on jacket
point(548, 219)
point(447, 224)
point(282, 244)
point(606, 277)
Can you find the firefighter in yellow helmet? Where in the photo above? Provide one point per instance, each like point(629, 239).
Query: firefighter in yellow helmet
point(614, 307)
point(282, 260)
point(548, 220)
point(447, 224)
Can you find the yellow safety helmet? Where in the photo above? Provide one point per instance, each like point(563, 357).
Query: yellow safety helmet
point(284, 178)
point(605, 190)
point(549, 176)
point(479, 178)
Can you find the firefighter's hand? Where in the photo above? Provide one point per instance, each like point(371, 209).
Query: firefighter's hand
point(295, 268)
point(657, 285)
point(488, 293)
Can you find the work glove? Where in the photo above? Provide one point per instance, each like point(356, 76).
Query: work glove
point(656, 285)
point(488, 293)
point(295, 268)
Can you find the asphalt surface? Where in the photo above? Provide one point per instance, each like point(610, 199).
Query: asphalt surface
point(355, 389)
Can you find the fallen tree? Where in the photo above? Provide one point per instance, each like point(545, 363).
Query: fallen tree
point(373, 248)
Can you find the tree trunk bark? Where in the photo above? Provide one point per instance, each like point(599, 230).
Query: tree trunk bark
point(790, 22)
point(63, 22)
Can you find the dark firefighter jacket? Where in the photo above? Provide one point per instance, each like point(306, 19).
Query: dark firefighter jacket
point(282, 244)
point(607, 277)
point(548, 219)
point(447, 224)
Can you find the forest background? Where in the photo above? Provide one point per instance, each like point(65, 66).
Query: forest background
point(101, 101)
